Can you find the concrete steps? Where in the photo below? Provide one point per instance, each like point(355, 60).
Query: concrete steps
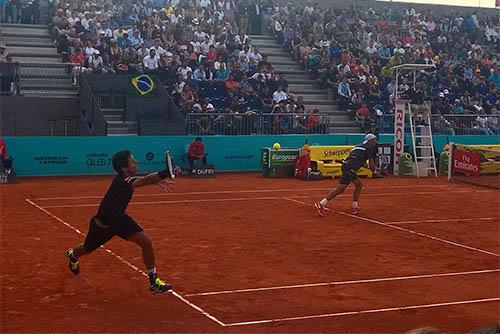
point(285, 68)
point(41, 72)
point(113, 118)
point(296, 81)
point(282, 60)
point(44, 55)
point(28, 41)
point(24, 30)
point(31, 60)
point(34, 70)
point(17, 25)
point(50, 93)
point(261, 38)
point(122, 128)
point(115, 124)
point(30, 44)
point(47, 82)
point(307, 91)
point(23, 51)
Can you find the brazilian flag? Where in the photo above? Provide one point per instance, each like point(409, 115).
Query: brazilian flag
point(143, 84)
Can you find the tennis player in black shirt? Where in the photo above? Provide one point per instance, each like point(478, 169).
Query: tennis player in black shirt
point(111, 218)
point(355, 160)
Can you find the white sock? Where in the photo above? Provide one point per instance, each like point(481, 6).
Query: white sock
point(354, 205)
point(323, 202)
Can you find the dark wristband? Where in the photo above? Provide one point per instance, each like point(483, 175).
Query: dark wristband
point(163, 174)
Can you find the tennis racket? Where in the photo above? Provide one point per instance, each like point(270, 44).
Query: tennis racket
point(170, 164)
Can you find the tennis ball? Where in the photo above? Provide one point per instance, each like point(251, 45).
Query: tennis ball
point(276, 146)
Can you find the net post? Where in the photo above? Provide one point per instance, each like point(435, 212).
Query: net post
point(451, 147)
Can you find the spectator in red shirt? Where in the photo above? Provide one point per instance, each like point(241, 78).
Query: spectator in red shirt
point(196, 151)
point(232, 86)
point(5, 162)
point(303, 163)
point(78, 59)
point(363, 116)
point(313, 121)
point(3, 149)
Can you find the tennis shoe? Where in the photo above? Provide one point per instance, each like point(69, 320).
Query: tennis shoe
point(74, 267)
point(356, 211)
point(320, 208)
point(159, 286)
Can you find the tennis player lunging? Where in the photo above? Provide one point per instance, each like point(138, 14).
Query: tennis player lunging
point(111, 218)
point(355, 160)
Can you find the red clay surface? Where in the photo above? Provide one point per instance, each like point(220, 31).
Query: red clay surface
point(242, 231)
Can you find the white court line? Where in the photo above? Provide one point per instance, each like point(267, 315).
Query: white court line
point(403, 229)
point(380, 310)
point(184, 300)
point(441, 220)
point(254, 198)
point(240, 192)
point(372, 280)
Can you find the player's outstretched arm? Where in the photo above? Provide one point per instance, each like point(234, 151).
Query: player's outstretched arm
point(153, 178)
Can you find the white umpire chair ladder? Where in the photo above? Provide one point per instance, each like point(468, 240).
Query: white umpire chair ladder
point(421, 136)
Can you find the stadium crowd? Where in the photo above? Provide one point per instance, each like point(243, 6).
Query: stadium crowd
point(353, 52)
point(201, 50)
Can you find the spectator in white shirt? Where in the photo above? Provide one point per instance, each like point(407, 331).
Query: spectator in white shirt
point(255, 57)
point(245, 52)
point(85, 21)
point(279, 95)
point(198, 33)
point(204, 3)
point(96, 63)
point(184, 70)
point(158, 48)
point(73, 19)
point(205, 45)
point(174, 18)
point(150, 62)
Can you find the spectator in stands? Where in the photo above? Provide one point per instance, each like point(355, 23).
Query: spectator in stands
point(5, 161)
point(279, 95)
point(96, 63)
point(187, 99)
point(344, 94)
point(364, 117)
point(314, 122)
point(150, 62)
point(78, 59)
point(196, 151)
point(3, 52)
point(345, 50)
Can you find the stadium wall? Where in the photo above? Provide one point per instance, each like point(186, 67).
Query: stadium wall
point(53, 156)
point(28, 116)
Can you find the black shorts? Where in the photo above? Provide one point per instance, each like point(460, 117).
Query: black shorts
point(100, 233)
point(348, 175)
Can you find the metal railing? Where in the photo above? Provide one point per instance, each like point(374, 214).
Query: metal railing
point(49, 77)
point(253, 124)
point(450, 124)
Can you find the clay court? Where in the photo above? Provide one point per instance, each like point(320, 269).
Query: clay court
point(247, 254)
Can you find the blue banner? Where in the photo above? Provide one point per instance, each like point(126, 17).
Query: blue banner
point(38, 156)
